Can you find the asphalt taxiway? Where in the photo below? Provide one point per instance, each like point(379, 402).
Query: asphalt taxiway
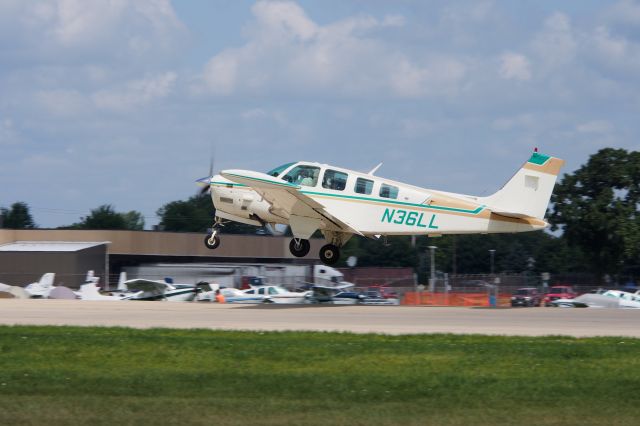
point(357, 319)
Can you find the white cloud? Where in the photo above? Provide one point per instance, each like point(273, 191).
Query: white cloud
point(8, 134)
point(135, 93)
point(288, 53)
point(594, 126)
point(556, 43)
point(518, 121)
point(515, 66)
point(627, 11)
point(52, 30)
point(63, 103)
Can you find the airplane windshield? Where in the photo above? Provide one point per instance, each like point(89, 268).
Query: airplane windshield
point(276, 172)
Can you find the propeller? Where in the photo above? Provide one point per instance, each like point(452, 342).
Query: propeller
point(204, 182)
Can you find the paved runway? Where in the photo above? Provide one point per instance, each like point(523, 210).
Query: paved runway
point(357, 319)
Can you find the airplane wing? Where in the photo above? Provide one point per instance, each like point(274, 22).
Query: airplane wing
point(147, 286)
point(286, 198)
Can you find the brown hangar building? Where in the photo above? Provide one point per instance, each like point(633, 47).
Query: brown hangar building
point(26, 254)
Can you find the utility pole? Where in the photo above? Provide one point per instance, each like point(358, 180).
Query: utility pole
point(492, 253)
point(432, 280)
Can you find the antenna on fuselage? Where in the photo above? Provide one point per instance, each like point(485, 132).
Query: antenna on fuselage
point(375, 169)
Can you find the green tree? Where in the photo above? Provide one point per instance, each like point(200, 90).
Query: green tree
point(192, 215)
point(133, 220)
point(196, 215)
point(596, 208)
point(105, 217)
point(17, 217)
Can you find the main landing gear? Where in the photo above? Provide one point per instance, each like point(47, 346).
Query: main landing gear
point(299, 247)
point(329, 254)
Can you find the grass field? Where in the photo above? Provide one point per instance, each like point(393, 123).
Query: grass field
point(116, 376)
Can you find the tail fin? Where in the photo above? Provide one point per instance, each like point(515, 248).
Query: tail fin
point(91, 278)
point(528, 192)
point(46, 281)
point(121, 281)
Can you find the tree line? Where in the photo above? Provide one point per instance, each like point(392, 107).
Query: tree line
point(594, 216)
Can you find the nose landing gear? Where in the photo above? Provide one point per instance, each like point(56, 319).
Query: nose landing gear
point(299, 247)
point(212, 240)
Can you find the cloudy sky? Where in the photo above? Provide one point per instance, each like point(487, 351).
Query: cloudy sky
point(123, 101)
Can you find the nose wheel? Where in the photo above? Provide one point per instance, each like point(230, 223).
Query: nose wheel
point(299, 247)
point(212, 241)
point(329, 254)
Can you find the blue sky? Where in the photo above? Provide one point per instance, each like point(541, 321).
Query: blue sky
point(123, 102)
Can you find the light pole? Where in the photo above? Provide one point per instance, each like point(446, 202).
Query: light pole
point(492, 253)
point(432, 280)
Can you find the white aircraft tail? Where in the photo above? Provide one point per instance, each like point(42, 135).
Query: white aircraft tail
point(528, 192)
point(91, 278)
point(90, 291)
point(121, 282)
point(46, 281)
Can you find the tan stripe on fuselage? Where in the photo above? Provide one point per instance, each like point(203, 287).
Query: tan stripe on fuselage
point(551, 167)
point(439, 200)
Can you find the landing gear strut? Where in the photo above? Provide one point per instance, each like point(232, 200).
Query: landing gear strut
point(212, 240)
point(329, 254)
point(299, 247)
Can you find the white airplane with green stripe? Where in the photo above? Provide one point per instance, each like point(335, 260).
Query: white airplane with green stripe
point(340, 202)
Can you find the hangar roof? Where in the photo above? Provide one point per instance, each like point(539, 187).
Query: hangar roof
point(61, 246)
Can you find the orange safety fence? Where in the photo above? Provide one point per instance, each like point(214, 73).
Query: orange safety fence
point(452, 299)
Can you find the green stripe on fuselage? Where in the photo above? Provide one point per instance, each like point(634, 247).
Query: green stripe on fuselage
point(285, 184)
point(399, 203)
point(376, 200)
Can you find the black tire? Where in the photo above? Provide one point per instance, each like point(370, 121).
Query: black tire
point(329, 254)
point(301, 249)
point(216, 242)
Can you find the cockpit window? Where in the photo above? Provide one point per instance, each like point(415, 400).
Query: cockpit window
point(303, 175)
point(280, 169)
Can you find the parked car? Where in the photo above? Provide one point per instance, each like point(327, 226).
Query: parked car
point(559, 292)
point(527, 296)
point(380, 295)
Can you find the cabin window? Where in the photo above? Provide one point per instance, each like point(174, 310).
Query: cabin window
point(273, 290)
point(364, 186)
point(250, 291)
point(261, 291)
point(388, 191)
point(334, 180)
point(303, 175)
point(278, 170)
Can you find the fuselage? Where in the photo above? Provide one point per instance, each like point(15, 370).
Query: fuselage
point(373, 205)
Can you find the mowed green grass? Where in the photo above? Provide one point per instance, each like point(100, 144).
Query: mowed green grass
point(117, 376)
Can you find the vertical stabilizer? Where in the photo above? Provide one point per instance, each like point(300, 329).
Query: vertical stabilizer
point(46, 281)
point(528, 192)
point(121, 281)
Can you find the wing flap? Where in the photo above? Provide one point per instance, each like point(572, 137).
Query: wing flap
point(286, 198)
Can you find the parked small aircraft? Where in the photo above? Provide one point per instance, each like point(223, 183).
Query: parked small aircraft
point(341, 202)
point(42, 287)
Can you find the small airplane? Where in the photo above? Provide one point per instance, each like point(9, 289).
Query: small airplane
point(264, 294)
point(341, 203)
point(43, 287)
point(606, 299)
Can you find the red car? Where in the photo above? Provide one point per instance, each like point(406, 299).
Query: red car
point(559, 292)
